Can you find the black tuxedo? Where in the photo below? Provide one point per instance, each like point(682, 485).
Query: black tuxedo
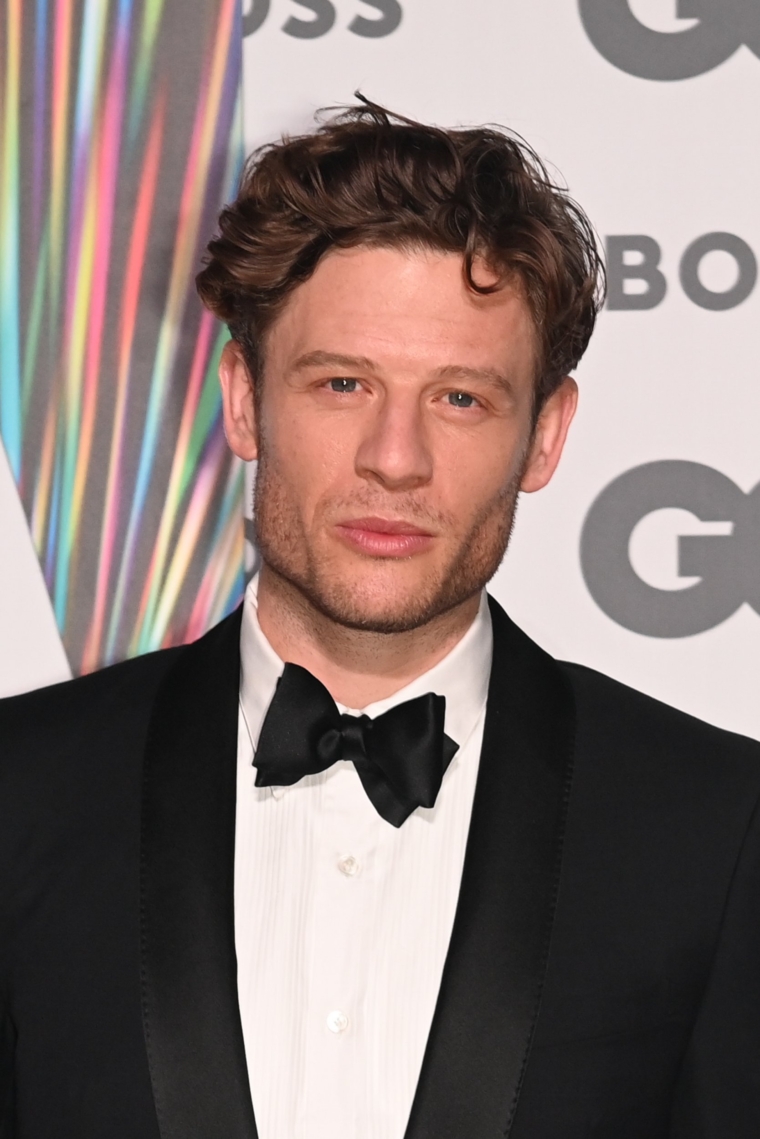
point(603, 977)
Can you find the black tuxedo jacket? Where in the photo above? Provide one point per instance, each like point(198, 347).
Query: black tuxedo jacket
point(603, 976)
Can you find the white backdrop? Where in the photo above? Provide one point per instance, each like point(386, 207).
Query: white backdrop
point(647, 107)
point(670, 159)
point(31, 652)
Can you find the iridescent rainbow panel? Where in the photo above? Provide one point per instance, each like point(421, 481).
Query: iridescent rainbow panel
point(120, 139)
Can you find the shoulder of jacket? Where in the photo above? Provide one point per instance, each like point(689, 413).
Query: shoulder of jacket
point(119, 688)
point(632, 717)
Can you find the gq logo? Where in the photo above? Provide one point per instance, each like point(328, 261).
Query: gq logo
point(320, 17)
point(723, 26)
point(727, 564)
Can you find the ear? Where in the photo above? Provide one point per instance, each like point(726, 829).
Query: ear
point(238, 402)
point(549, 437)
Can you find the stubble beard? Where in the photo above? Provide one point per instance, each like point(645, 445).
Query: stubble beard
point(286, 550)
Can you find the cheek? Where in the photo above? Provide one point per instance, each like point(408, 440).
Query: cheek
point(306, 459)
point(474, 476)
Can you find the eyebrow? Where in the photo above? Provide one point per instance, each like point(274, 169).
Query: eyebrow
point(322, 359)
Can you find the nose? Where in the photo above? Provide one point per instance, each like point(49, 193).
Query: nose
point(395, 451)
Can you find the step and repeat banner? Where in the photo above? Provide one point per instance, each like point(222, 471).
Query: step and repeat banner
point(120, 509)
point(642, 559)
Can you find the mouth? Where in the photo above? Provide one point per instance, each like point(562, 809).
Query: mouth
point(385, 537)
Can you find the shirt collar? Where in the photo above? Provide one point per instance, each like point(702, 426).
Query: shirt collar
point(462, 676)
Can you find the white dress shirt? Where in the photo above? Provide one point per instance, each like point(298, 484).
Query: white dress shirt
point(343, 921)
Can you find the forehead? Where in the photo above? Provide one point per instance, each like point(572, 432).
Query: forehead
point(404, 306)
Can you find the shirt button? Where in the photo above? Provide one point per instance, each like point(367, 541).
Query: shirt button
point(348, 865)
point(337, 1021)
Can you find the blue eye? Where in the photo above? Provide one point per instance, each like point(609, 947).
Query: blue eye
point(461, 399)
point(343, 385)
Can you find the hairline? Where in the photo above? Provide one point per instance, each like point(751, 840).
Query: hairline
point(511, 278)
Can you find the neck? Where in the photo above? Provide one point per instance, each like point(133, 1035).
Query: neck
point(356, 666)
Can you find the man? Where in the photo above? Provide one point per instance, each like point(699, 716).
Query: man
point(364, 862)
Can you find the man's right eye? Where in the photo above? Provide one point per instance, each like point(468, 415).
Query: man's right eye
point(344, 385)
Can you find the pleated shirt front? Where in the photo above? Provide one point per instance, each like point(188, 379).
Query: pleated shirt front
point(342, 921)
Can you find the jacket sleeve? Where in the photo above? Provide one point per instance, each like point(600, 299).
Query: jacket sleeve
point(7, 1048)
point(718, 1091)
point(7, 868)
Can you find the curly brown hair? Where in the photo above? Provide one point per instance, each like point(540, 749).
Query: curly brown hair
point(367, 176)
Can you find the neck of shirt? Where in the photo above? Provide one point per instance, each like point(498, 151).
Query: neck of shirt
point(461, 676)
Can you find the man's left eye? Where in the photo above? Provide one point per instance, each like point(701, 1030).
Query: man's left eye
point(461, 399)
point(343, 385)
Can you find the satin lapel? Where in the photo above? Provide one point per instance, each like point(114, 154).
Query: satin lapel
point(189, 972)
point(491, 986)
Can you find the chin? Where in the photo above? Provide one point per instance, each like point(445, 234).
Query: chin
point(387, 598)
point(381, 594)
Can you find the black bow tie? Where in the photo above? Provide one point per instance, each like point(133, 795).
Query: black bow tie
point(400, 756)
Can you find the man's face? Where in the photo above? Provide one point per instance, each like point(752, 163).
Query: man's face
point(393, 432)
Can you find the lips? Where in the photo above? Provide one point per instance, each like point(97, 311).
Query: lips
point(385, 537)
